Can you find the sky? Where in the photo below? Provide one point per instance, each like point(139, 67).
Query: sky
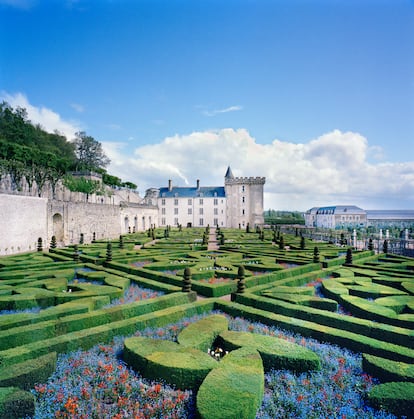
point(315, 95)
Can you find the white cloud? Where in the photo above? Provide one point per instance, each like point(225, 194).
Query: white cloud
point(225, 110)
point(328, 170)
point(46, 118)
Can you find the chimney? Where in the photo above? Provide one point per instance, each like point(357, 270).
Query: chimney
point(198, 184)
point(170, 185)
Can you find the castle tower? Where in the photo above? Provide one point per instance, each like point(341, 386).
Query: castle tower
point(244, 196)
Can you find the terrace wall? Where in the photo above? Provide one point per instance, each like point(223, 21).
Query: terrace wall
point(23, 219)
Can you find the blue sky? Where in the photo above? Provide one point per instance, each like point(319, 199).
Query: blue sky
point(318, 96)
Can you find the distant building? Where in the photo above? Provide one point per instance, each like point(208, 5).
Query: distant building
point(237, 203)
point(339, 216)
point(390, 218)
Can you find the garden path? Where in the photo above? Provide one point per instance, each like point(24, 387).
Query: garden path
point(212, 240)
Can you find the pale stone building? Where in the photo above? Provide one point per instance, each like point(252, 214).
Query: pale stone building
point(237, 203)
point(339, 216)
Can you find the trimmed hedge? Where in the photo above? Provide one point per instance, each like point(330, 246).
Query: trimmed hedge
point(384, 332)
point(395, 397)
point(28, 373)
point(16, 403)
point(85, 339)
point(386, 370)
point(202, 333)
point(352, 341)
point(181, 366)
point(234, 389)
point(49, 329)
point(276, 353)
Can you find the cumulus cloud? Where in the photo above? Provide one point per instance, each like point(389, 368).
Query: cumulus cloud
point(49, 120)
point(331, 169)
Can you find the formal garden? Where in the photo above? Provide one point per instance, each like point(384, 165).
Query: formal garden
point(161, 324)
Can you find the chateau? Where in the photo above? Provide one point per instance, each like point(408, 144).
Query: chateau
point(238, 203)
point(73, 217)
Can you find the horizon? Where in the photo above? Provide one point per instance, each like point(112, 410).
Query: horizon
point(317, 97)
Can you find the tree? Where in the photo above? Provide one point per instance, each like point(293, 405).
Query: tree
point(89, 153)
point(81, 184)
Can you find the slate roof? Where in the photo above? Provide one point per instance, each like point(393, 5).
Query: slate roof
point(193, 192)
point(341, 209)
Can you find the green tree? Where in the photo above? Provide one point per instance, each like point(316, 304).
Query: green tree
point(89, 153)
point(81, 184)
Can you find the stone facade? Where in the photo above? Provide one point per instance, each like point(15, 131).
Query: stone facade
point(238, 203)
point(339, 216)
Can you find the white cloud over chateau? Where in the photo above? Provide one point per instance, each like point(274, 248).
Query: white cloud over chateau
point(335, 168)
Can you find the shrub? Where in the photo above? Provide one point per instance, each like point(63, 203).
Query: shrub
point(396, 397)
point(16, 403)
point(234, 389)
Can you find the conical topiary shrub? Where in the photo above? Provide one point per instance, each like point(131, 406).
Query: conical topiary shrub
point(240, 283)
point(187, 280)
point(53, 243)
point(108, 252)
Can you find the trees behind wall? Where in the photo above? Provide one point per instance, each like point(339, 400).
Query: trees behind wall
point(28, 152)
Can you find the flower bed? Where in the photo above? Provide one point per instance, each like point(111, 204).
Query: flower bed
point(96, 383)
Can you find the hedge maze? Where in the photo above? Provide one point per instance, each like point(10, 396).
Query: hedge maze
point(57, 301)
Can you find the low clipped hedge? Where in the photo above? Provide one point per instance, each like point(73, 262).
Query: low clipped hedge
point(305, 300)
point(201, 334)
point(234, 389)
point(352, 341)
point(26, 374)
point(384, 332)
point(387, 370)
point(86, 338)
point(395, 397)
point(276, 353)
point(181, 366)
point(16, 403)
point(49, 329)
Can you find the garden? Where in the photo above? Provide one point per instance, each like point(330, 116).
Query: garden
point(159, 325)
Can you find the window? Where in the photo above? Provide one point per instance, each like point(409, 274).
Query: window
point(201, 211)
point(175, 211)
point(190, 211)
point(242, 212)
point(163, 211)
point(215, 221)
point(243, 188)
point(215, 193)
point(176, 221)
point(175, 201)
point(215, 201)
point(190, 202)
point(201, 221)
point(243, 200)
point(201, 202)
point(163, 221)
point(163, 201)
point(215, 212)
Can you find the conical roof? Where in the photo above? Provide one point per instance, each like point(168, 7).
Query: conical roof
point(229, 174)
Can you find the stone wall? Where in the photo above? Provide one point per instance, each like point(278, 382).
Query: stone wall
point(23, 219)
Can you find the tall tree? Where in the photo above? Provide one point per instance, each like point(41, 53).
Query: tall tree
point(89, 153)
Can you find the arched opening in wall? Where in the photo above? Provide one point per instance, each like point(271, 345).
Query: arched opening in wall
point(143, 223)
point(136, 223)
point(126, 223)
point(58, 227)
point(150, 221)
